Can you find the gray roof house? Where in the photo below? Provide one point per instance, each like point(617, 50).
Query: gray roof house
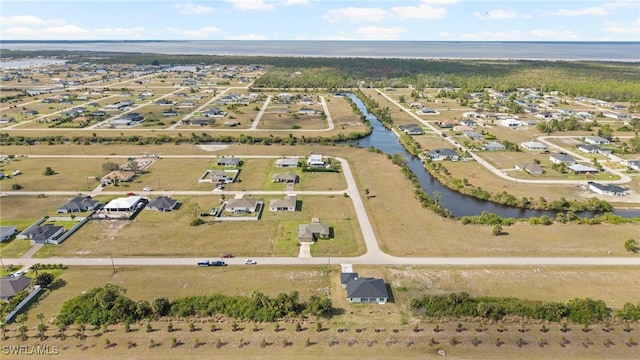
point(220, 176)
point(562, 158)
point(288, 177)
point(287, 162)
point(313, 231)
point(78, 204)
point(596, 140)
point(412, 129)
point(42, 234)
point(494, 146)
point(443, 154)
point(608, 189)
point(10, 286)
point(289, 203)
point(532, 169)
point(367, 290)
point(162, 203)
point(6, 232)
point(229, 162)
point(239, 206)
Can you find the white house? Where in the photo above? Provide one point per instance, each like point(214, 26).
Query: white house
point(511, 123)
point(608, 189)
point(287, 162)
point(534, 146)
point(315, 160)
point(287, 204)
point(596, 140)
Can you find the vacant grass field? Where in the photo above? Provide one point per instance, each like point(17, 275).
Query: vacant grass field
point(142, 236)
point(341, 112)
point(70, 174)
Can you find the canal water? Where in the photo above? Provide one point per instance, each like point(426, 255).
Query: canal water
point(459, 204)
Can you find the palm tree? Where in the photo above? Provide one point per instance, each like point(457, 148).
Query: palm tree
point(498, 342)
point(192, 327)
point(61, 329)
point(544, 328)
point(585, 328)
point(41, 329)
point(608, 342)
point(40, 316)
point(627, 327)
point(23, 332)
point(170, 327)
point(564, 327)
point(81, 328)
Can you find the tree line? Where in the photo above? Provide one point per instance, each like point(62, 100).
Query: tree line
point(577, 310)
point(110, 305)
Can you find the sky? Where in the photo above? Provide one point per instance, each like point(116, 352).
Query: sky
point(418, 20)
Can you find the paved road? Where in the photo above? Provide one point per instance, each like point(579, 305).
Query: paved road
point(254, 126)
point(364, 260)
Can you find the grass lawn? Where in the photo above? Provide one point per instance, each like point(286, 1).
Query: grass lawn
point(70, 174)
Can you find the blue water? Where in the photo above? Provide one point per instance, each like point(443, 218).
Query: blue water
point(603, 51)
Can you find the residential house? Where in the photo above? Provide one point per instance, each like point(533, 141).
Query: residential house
point(313, 231)
point(124, 204)
point(511, 123)
point(561, 158)
point(596, 140)
point(446, 124)
point(632, 164)
point(162, 203)
point(608, 189)
point(473, 135)
point(79, 204)
point(532, 169)
point(169, 113)
point(364, 290)
point(425, 111)
point(201, 122)
point(593, 149)
point(229, 162)
point(534, 146)
point(315, 161)
point(42, 234)
point(307, 111)
point(214, 112)
point(164, 102)
point(494, 146)
point(412, 129)
point(582, 169)
point(6, 119)
point(10, 286)
point(443, 154)
point(6, 232)
point(119, 176)
point(289, 203)
point(288, 177)
point(221, 177)
point(242, 206)
point(416, 105)
point(287, 163)
point(468, 122)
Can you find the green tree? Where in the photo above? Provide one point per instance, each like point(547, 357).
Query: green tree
point(44, 279)
point(496, 229)
point(631, 245)
point(48, 171)
point(109, 166)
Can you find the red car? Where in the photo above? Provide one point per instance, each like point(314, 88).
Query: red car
point(226, 256)
point(131, 194)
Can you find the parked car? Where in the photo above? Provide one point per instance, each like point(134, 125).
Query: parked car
point(204, 263)
point(131, 194)
point(226, 256)
point(250, 262)
point(147, 189)
point(218, 263)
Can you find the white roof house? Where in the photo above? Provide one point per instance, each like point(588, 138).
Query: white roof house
point(511, 123)
point(315, 160)
point(123, 204)
point(533, 145)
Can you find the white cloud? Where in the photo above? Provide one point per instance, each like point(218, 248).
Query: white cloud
point(546, 34)
point(297, 2)
point(444, 35)
point(423, 11)
point(379, 33)
point(597, 11)
point(621, 4)
point(250, 5)
point(190, 8)
point(497, 15)
point(616, 28)
point(19, 32)
point(247, 37)
point(28, 20)
point(488, 35)
point(122, 33)
point(354, 14)
point(440, 2)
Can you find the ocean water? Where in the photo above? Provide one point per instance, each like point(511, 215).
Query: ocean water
point(600, 51)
